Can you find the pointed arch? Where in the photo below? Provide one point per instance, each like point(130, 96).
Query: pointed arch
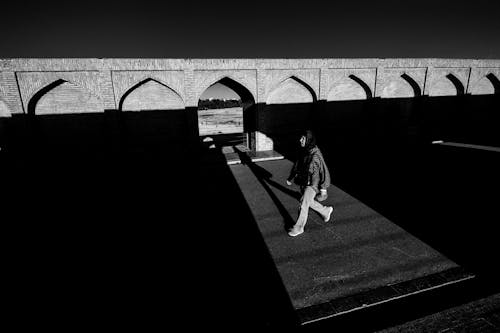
point(150, 94)
point(38, 95)
point(485, 85)
point(401, 86)
point(239, 120)
point(242, 91)
point(495, 82)
point(292, 90)
point(234, 84)
point(349, 88)
point(63, 97)
point(363, 85)
point(456, 82)
point(416, 89)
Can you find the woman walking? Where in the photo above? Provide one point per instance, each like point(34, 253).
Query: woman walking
point(311, 174)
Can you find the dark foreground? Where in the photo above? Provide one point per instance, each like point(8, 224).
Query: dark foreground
point(135, 241)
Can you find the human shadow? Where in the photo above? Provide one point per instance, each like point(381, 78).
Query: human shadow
point(292, 193)
point(264, 178)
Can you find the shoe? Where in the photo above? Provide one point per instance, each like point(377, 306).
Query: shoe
point(327, 218)
point(295, 232)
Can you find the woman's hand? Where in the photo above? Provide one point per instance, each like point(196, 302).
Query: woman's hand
point(322, 196)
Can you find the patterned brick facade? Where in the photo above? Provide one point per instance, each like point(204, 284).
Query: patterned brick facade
point(96, 85)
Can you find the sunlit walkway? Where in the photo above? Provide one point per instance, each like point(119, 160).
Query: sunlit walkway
point(360, 250)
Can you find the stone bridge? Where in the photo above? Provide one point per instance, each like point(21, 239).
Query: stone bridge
point(277, 94)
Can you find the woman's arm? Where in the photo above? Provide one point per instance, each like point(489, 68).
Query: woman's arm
point(293, 171)
point(314, 174)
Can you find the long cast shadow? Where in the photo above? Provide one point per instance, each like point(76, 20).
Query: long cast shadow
point(263, 176)
point(136, 237)
point(379, 152)
point(129, 231)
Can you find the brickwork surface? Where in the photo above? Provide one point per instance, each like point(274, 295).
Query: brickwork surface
point(189, 77)
point(175, 84)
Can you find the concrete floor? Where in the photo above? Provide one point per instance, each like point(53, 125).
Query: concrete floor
point(357, 251)
point(144, 241)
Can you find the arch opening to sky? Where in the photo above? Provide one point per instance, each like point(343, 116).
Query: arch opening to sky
point(220, 117)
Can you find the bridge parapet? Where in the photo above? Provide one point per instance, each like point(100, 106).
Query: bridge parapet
point(60, 85)
point(329, 79)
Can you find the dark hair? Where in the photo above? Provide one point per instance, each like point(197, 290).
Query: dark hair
point(310, 140)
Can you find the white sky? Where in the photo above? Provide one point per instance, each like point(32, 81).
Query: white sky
point(219, 91)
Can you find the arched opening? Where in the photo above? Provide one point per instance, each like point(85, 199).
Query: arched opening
point(65, 117)
point(363, 85)
point(63, 97)
point(288, 111)
point(292, 91)
point(152, 118)
point(38, 95)
point(456, 82)
point(226, 116)
point(416, 89)
point(150, 94)
point(349, 88)
point(402, 86)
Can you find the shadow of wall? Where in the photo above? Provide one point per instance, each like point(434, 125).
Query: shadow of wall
point(164, 132)
point(467, 118)
point(107, 230)
point(283, 123)
point(380, 152)
point(125, 241)
point(346, 126)
point(383, 124)
point(158, 131)
point(4, 135)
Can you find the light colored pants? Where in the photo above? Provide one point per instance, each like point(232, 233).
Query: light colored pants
point(307, 201)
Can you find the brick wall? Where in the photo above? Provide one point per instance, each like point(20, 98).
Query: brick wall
point(9, 92)
point(68, 98)
point(96, 85)
point(152, 95)
point(109, 79)
point(290, 91)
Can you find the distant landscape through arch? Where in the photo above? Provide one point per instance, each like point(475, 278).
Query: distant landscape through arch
point(221, 115)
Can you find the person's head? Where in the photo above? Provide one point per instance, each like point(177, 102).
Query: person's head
point(303, 141)
point(307, 140)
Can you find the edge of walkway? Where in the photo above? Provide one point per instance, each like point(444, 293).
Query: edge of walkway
point(388, 293)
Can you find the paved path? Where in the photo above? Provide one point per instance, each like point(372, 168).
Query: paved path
point(358, 251)
point(142, 242)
